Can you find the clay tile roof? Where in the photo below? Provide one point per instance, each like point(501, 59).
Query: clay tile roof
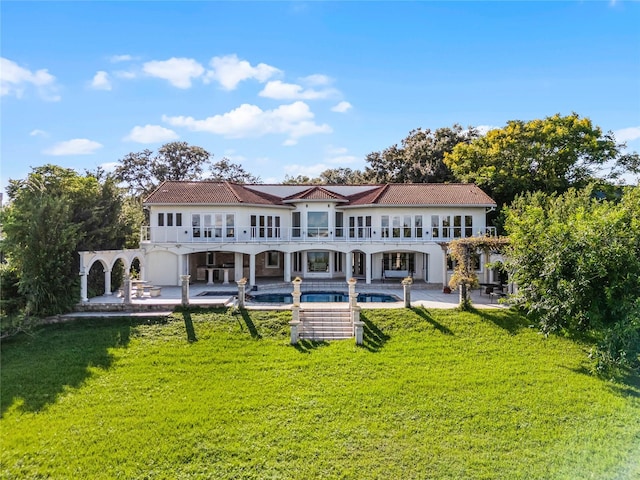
point(424, 194)
point(203, 192)
point(316, 193)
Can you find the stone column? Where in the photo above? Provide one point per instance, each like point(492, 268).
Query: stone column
point(368, 268)
point(406, 287)
point(353, 296)
point(296, 291)
point(445, 280)
point(252, 269)
point(185, 289)
point(238, 267)
point(83, 287)
point(358, 326)
point(287, 266)
point(126, 294)
point(107, 281)
point(242, 284)
point(295, 333)
point(348, 265)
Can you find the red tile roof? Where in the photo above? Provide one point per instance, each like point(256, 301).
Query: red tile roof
point(424, 194)
point(316, 193)
point(394, 194)
point(204, 192)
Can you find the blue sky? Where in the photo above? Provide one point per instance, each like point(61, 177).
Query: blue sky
point(289, 88)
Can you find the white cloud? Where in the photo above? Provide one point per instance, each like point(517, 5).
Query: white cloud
point(341, 107)
point(310, 171)
point(109, 166)
point(316, 80)
point(331, 150)
point(627, 134)
point(294, 120)
point(177, 71)
point(121, 58)
point(14, 79)
point(128, 75)
point(38, 133)
point(229, 71)
point(101, 81)
point(77, 146)
point(289, 91)
point(150, 134)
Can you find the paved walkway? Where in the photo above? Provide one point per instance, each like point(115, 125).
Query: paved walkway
point(224, 295)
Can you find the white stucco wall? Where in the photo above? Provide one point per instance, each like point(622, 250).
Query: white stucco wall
point(162, 268)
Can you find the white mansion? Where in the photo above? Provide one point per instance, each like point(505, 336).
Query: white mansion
point(220, 232)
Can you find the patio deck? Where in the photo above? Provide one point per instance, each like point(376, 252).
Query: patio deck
point(422, 294)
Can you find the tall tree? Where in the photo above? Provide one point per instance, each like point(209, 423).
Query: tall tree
point(225, 170)
point(549, 155)
point(143, 171)
point(419, 158)
point(52, 214)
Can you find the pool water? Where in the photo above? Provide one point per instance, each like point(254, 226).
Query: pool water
point(327, 297)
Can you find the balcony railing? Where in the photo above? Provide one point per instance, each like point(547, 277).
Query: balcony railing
point(309, 235)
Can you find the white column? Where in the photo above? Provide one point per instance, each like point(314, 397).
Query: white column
point(252, 269)
point(107, 281)
point(368, 268)
point(83, 287)
point(181, 265)
point(287, 267)
point(445, 281)
point(238, 267)
point(348, 265)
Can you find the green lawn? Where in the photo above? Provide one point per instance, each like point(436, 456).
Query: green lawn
point(432, 394)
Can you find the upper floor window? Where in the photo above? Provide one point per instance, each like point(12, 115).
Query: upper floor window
point(169, 217)
point(265, 226)
point(360, 226)
point(212, 225)
point(295, 224)
point(317, 224)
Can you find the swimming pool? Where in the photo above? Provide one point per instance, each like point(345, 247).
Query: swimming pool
point(327, 297)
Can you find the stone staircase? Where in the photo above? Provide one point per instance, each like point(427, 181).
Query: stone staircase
point(325, 323)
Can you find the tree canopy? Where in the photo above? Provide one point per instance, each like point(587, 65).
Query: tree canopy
point(226, 171)
point(548, 155)
point(419, 158)
point(143, 171)
point(53, 214)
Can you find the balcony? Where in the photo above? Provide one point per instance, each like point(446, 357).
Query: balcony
point(311, 235)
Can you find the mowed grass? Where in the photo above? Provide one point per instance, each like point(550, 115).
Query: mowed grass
point(431, 394)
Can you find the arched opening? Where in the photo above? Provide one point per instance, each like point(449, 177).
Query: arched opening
point(117, 275)
point(95, 279)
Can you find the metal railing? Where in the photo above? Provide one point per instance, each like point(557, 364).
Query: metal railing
point(295, 235)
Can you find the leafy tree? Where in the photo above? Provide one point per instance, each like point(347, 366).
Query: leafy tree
point(224, 170)
point(342, 176)
point(143, 171)
point(52, 215)
point(576, 261)
point(549, 155)
point(301, 180)
point(419, 158)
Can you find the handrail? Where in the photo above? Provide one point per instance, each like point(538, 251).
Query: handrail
point(253, 234)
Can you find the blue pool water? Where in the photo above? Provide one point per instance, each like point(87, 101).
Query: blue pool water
point(328, 297)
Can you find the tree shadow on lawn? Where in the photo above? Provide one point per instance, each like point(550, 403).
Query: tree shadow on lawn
point(626, 382)
point(373, 338)
point(510, 320)
point(307, 346)
point(244, 314)
point(37, 368)
point(424, 313)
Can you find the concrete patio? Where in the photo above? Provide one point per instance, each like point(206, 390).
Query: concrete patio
point(422, 294)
